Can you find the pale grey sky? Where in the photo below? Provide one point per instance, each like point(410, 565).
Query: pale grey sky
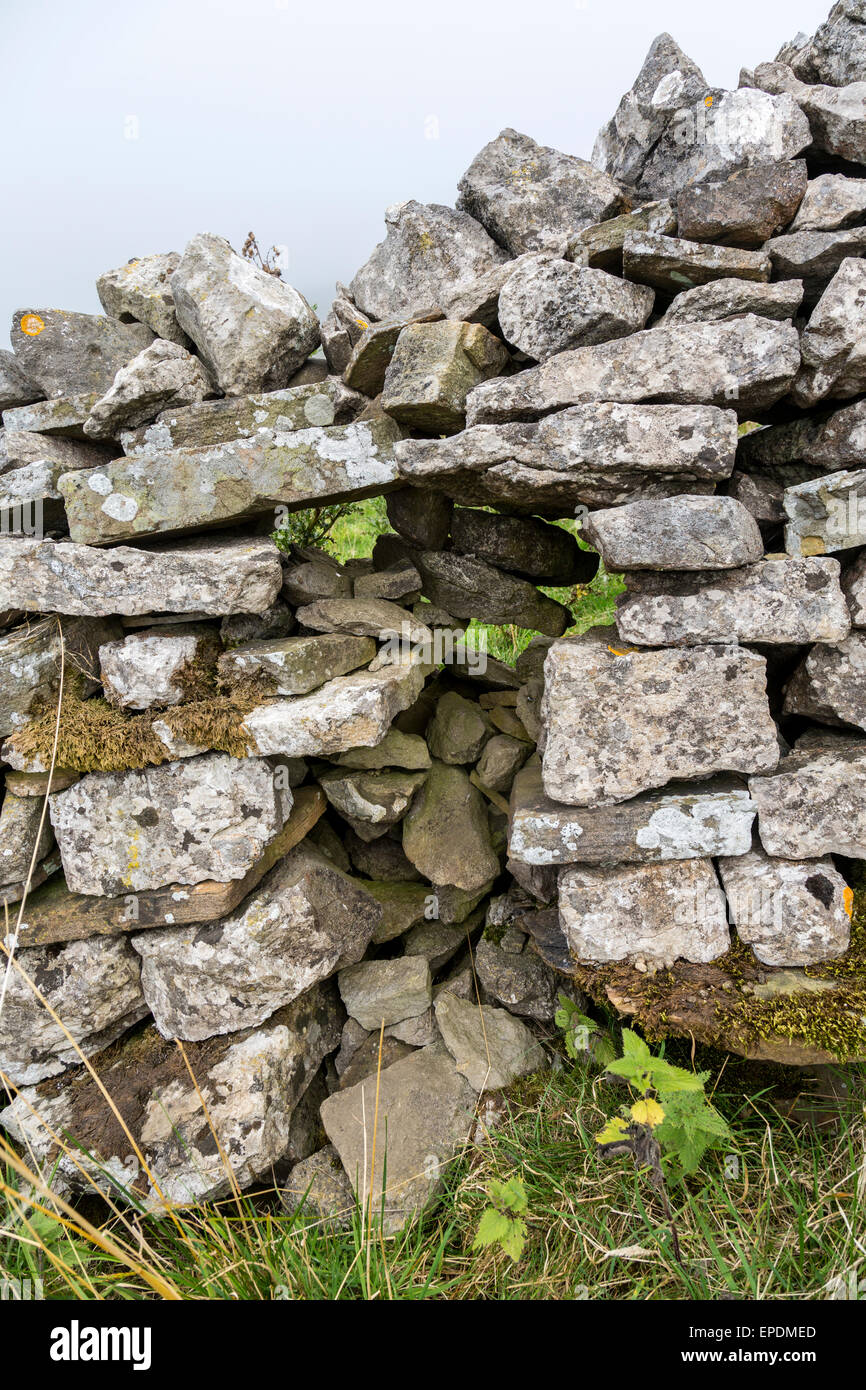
point(131, 126)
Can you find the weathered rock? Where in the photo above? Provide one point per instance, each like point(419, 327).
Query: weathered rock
point(163, 376)
point(831, 201)
point(651, 914)
point(815, 802)
point(433, 369)
point(295, 665)
point(30, 503)
point(404, 905)
point(471, 588)
point(372, 353)
point(140, 292)
point(367, 617)
point(424, 1113)
point(157, 667)
point(747, 363)
point(395, 750)
point(237, 1110)
point(490, 1047)
point(437, 942)
point(16, 389)
point(23, 447)
point(430, 253)
point(500, 761)
point(315, 579)
point(517, 978)
point(836, 115)
point(199, 576)
point(94, 988)
point(32, 657)
point(24, 839)
point(252, 330)
point(618, 724)
point(726, 299)
point(830, 683)
point(837, 51)
point(458, 731)
point(400, 582)
point(684, 821)
point(780, 600)
point(678, 533)
point(304, 922)
point(208, 817)
point(422, 518)
point(597, 455)
point(446, 832)
point(195, 488)
point(64, 416)
point(377, 798)
point(277, 620)
point(318, 1188)
point(600, 246)
point(825, 513)
point(672, 263)
point(791, 912)
point(814, 257)
point(746, 207)
point(67, 354)
point(549, 305)
point(854, 589)
point(386, 991)
point(834, 358)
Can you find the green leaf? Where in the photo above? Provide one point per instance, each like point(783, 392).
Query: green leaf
point(509, 1195)
point(493, 1228)
point(514, 1242)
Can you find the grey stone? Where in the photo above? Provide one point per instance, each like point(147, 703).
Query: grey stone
point(199, 576)
point(600, 246)
point(830, 683)
point(319, 1190)
point(471, 588)
point(424, 1114)
point(826, 513)
point(836, 115)
point(854, 589)
point(619, 724)
point(748, 363)
point(31, 660)
point(646, 914)
point(519, 980)
point(446, 832)
point(16, 389)
point(421, 517)
point(24, 839)
point(791, 912)
point(30, 502)
point(834, 359)
point(684, 821)
point(598, 455)
point(490, 1047)
point(831, 201)
point(430, 253)
point(672, 263)
point(252, 331)
point(437, 942)
point(163, 376)
point(815, 801)
point(206, 818)
point(157, 667)
point(726, 299)
point(372, 353)
point(23, 447)
point(93, 986)
point(433, 369)
point(314, 579)
point(304, 922)
point(395, 750)
point(380, 798)
point(814, 257)
point(64, 416)
point(386, 991)
point(365, 617)
point(398, 583)
point(744, 208)
point(549, 305)
point(67, 354)
point(779, 600)
point(500, 761)
point(140, 291)
point(678, 533)
point(277, 620)
point(459, 730)
point(404, 905)
point(295, 665)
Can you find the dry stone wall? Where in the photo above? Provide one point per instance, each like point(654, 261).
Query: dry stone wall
point(286, 810)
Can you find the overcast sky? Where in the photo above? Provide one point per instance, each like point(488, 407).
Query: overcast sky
point(130, 126)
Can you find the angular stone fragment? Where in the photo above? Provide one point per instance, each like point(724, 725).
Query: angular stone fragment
point(436, 942)
point(64, 416)
point(162, 376)
point(433, 369)
point(685, 821)
point(517, 978)
point(319, 1189)
point(94, 988)
point(15, 387)
point(678, 533)
point(157, 667)
point(746, 207)
point(826, 513)
point(30, 503)
point(791, 912)
point(395, 750)
point(367, 617)
point(31, 659)
point(672, 264)
point(458, 731)
point(836, 115)
point(234, 1109)
point(372, 353)
point(190, 488)
point(779, 600)
point(598, 455)
point(530, 197)
point(424, 1113)
point(315, 579)
point(600, 246)
point(252, 330)
point(747, 363)
point(23, 447)
point(815, 801)
point(295, 665)
point(199, 576)
point(832, 345)
point(831, 201)
point(446, 833)
point(421, 517)
point(430, 253)
point(207, 817)
point(814, 257)
point(471, 588)
point(726, 299)
point(277, 620)
point(386, 991)
point(503, 755)
point(24, 839)
point(140, 292)
point(304, 922)
point(67, 354)
point(490, 1047)
point(379, 798)
point(549, 305)
point(618, 724)
point(830, 683)
point(854, 589)
point(404, 905)
point(399, 583)
point(651, 914)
